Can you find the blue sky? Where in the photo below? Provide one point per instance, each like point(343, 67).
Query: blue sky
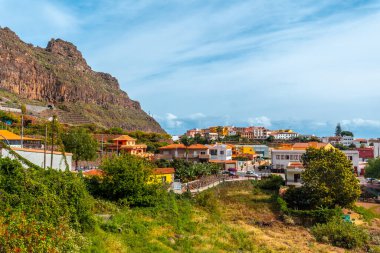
point(304, 65)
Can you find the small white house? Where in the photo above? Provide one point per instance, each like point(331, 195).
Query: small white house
point(36, 156)
point(221, 152)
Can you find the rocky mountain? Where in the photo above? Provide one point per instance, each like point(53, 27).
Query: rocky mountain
point(59, 75)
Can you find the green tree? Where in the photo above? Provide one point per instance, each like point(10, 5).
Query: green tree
point(126, 179)
point(270, 138)
point(330, 177)
point(347, 133)
point(373, 168)
point(23, 109)
point(219, 131)
point(81, 143)
point(187, 141)
point(338, 130)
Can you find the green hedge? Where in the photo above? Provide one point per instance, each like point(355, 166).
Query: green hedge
point(340, 233)
point(320, 215)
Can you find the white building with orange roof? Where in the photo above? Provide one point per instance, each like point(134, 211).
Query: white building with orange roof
point(195, 152)
point(127, 145)
point(220, 152)
point(282, 156)
point(293, 173)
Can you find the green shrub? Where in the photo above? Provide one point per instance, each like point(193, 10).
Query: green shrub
point(23, 233)
point(318, 215)
point(46, 195)
point(208, 201)
point(273, 182)
point(126, 180)
point(300, 198)
point(340, 233)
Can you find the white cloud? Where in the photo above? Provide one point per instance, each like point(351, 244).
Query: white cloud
point(358, 122)
point(260, 121)
point(197, 115)
point(172, 121)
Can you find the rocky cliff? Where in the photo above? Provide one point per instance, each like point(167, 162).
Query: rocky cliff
point(60, 75)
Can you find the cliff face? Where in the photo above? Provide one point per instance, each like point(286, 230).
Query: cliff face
point(60, 75)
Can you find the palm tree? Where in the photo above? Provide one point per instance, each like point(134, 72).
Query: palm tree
point(187, 142)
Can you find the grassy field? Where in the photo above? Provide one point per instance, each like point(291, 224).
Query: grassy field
point(233, 217)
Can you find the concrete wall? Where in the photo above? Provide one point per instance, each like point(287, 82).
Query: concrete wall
point(38, 158)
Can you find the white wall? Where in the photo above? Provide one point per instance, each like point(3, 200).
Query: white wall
point(376, 148)
point(38, 158)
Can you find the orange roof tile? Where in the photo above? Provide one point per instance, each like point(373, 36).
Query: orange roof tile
point(173, 146)
point(163, 171)
point(181, 146)
point(5, 134)
point(124, 138)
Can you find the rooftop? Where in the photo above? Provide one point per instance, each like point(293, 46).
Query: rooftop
point(5, 134)
point(157, 171)
point(124, 138)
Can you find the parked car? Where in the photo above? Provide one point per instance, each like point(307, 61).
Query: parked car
point(251, 173)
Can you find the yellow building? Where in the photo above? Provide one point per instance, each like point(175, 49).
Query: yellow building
point(163, 175)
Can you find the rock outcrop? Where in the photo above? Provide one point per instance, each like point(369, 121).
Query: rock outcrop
point(60, 75)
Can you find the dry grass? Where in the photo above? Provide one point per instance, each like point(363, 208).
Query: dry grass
point(236, 225)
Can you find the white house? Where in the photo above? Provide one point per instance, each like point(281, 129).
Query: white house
point(285, 135)
point(376, 148)
point(36, 156)
point(347, 140)
point(220, 152)
point(281, 157)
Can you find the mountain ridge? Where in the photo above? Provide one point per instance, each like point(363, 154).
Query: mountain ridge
point(59, 74)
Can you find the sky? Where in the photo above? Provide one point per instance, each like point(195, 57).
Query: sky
point(304, 65)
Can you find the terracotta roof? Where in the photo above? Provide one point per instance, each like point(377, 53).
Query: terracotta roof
point(133, 146)
point(5, 134)
point(295, 165)
point(223, 161)
point(181, 146)
point(364, 140)
point(163, 171)
point(124, 138)
point(94, 172)
point(302, 146)
point(173, 146)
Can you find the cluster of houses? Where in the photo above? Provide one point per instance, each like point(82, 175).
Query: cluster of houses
point(250, 133)
point(285, 158)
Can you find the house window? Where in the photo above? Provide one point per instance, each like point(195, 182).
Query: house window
point(163, 179)
point(278, 157)
point(287, 157)
point(213, 152)
point(222, 152)
point(203, 152)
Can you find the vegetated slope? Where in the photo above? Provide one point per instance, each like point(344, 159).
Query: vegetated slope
point(59, 74)
point(228, 218)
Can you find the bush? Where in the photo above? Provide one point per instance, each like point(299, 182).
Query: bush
point(300, 198)
point(319, 215)
point(340, 233)
point(208, 201)
point(23, 233)
point(273, 182)
point(126, 180)
point(44, 207)
point(47, 195)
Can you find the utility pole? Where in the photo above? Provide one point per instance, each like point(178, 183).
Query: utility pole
point(52, 141)
point(102, 146)
point(22, 130)
point(45, 146)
